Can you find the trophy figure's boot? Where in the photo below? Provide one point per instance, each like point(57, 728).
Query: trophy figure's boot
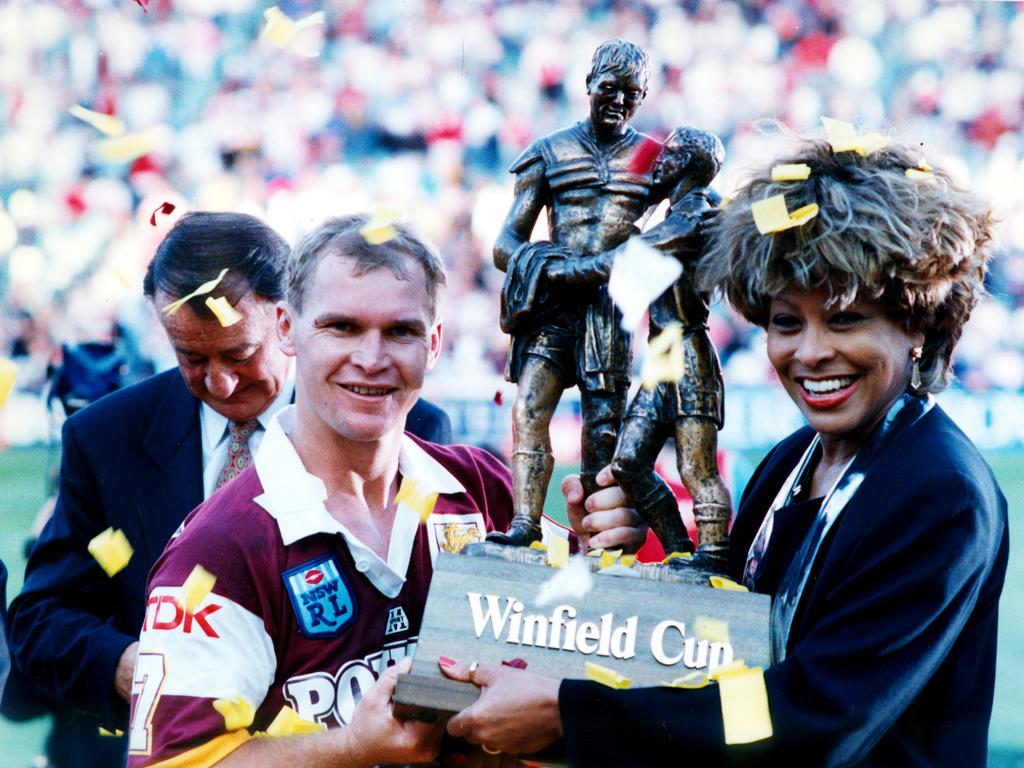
point(531, 472)
point(660, 509)
point(713, 536)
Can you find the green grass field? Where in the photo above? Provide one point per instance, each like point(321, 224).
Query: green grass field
point(22, 490)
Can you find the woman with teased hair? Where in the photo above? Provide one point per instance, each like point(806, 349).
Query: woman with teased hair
point(878, 528)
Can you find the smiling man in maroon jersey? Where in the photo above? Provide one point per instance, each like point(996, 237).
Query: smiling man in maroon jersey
point(321, 575)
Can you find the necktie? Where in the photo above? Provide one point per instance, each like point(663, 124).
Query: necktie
point(239, 456)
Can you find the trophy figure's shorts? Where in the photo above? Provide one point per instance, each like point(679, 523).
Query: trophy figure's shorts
point(700, 392)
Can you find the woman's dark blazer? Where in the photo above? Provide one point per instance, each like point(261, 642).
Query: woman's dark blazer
point(892, 654)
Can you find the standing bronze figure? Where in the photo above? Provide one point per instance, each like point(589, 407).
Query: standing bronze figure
point(594, 182)
point(691, 409)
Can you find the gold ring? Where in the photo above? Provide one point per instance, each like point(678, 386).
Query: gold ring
point(490, 751)
point(472, 672)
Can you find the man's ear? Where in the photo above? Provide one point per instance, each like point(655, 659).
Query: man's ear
point(285, 329)
point(436, 337)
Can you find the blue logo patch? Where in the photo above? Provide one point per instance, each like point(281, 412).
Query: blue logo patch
point(322, 599)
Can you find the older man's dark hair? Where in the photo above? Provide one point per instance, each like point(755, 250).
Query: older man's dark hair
point(203, 243)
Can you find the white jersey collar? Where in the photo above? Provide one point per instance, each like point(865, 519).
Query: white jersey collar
point(295, 499)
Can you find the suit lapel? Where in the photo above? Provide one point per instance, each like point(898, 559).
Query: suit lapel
point(172, 443)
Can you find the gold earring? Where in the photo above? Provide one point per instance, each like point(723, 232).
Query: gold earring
point(915, 374)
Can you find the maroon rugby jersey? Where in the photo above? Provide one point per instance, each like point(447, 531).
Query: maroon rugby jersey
point(302, 613)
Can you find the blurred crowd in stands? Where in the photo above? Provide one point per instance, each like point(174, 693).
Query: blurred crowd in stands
point(422, 105)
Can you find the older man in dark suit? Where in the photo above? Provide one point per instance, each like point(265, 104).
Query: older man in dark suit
point(140, 459)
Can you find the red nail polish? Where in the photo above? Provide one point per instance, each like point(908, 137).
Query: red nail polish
point(444, 661)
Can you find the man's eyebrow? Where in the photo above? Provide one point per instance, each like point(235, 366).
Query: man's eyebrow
point(329, 318)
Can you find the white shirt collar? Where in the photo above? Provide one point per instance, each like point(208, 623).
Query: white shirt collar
point(214, 426)
point(295, 499)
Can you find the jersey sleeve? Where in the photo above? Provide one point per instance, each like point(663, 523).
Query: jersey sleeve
point(189, 659)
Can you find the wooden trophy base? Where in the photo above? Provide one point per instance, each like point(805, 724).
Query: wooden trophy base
point(652, 628)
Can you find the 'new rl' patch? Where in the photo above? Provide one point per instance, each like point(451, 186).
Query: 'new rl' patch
point(111, 550)
point(196, 587)
point(237, 713)
point(606, 676)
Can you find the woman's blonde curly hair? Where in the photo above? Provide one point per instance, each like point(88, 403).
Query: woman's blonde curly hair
point(917, 245)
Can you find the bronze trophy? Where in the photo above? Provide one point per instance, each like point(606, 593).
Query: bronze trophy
point(596, 179)
point(592, 181)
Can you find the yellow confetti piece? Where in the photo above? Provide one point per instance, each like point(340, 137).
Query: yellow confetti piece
point(608, 557)
point(919, 175)
point(558, 551)
point(735, 665)
point(606, 676)
point(665, 361)
point(595, 552)
point(712, 630)
point(628, 560)
point(745, 713)
point(206, 287)
point(115, 734)
point(288, 723)
point(677, 556)
point(791, 172)
point(379, 228)
point(721, 582)
point(772, 215)
point(691, 680)
point(237, 712)
point(131, 146)
point(303, 37)
point(226, 314)
point(111, 550)
point(279, 27)
point(105, 124)
point(844, 138)
point(8, 372)
point(195, 589)
point(538, 546)
point(925, 167)
point(409, 494)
